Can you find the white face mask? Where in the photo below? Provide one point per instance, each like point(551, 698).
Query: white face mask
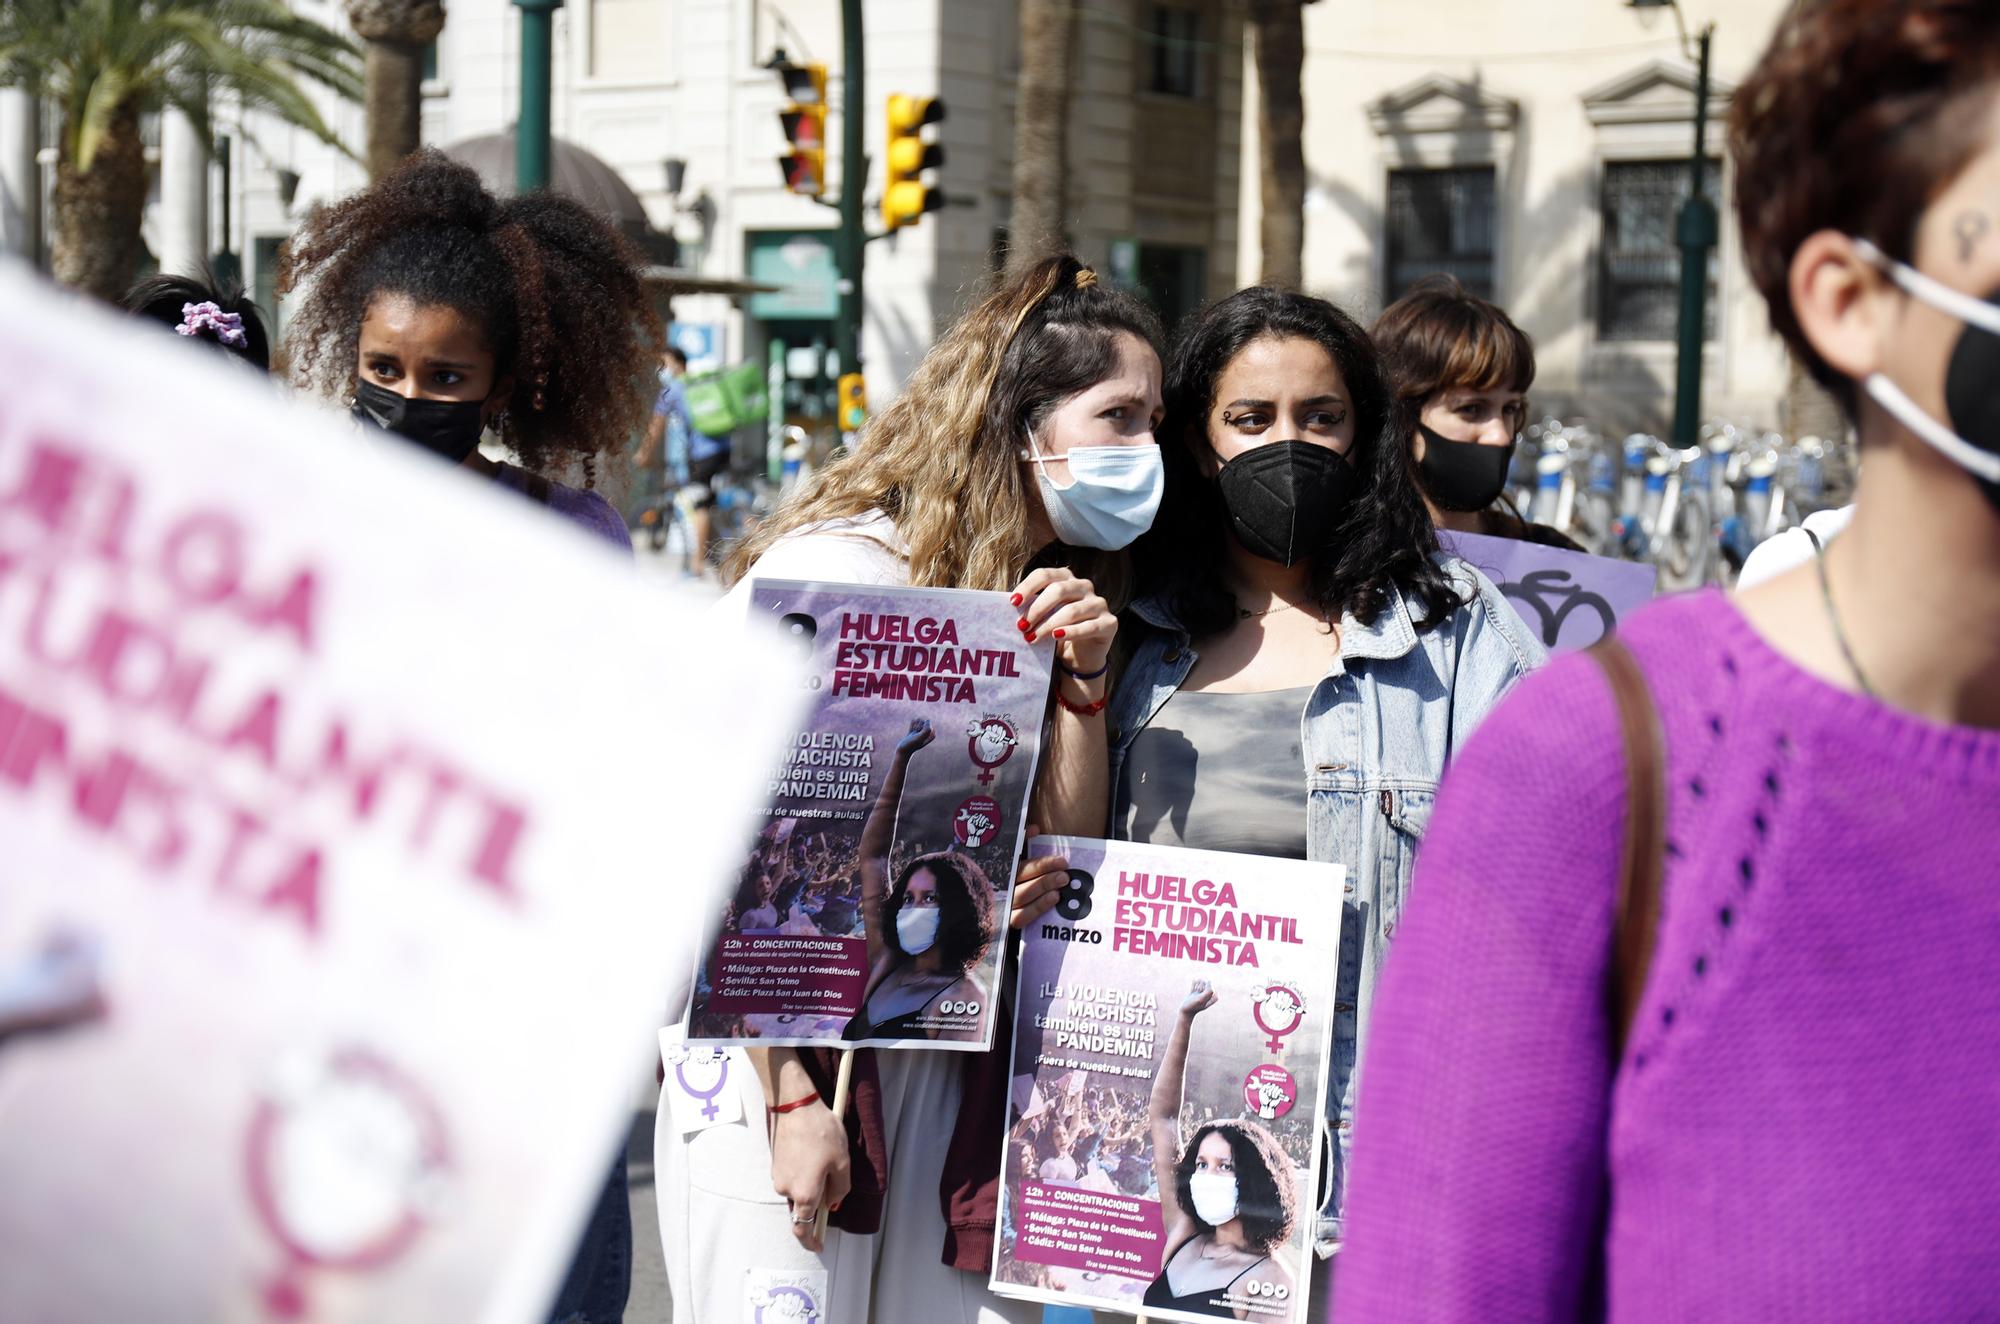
point(1968, 383)
point(917, 928)
point(1214, 1195)
point(1113, 494)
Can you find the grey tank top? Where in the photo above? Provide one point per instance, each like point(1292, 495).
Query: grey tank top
point(1219, 772)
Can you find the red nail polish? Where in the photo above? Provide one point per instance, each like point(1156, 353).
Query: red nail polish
point(1016, 599)
point(1058, 634)
point(1024, 623)
point(1031, 636)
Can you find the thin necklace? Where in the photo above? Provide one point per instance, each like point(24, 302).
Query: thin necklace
point(1244, 614)
point(1833, 617)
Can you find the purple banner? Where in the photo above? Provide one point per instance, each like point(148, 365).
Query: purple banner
point(1569, 600)
point(873, 905)
point(1170, 993)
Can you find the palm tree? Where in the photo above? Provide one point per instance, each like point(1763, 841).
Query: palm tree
point(105, 63)
point(397, 31)
point(1041, 133)
point(1279, 36)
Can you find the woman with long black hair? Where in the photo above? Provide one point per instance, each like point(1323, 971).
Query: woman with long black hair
point(1303, 662)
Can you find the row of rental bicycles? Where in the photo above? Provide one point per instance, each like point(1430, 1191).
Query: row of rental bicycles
point(1694, 513)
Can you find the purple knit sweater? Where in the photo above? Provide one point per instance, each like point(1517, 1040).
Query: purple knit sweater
point(1805, 1125)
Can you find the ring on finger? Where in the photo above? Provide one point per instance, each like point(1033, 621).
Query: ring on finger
point(802, 1218)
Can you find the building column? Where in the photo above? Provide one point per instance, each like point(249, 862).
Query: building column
point(183, 215)
point(20, 175)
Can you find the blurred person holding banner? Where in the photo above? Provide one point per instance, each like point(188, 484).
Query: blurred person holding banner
point(1019, 461)
point(1300, 640)
point(1696, 1018)
point(443, 314)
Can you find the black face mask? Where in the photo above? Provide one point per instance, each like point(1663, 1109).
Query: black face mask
point(1972, 395)
point(446, 428)
point(1286, 499)
point(1462, 475)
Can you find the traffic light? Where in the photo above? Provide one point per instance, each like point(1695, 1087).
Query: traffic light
point(804, 121)
point(853, 393)
point(907, 197)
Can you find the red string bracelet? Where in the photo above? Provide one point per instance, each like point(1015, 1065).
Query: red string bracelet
point(794, 1105)
point(1083, 709)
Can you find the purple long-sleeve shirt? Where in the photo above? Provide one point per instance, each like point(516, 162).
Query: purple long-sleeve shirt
point(1805, 1125)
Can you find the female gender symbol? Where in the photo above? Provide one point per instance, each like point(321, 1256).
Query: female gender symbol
point(990, 741)
point(709, 1108)
point(1285, 1005)
point(347, 1158)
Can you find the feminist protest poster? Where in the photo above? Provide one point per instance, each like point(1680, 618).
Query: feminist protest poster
point(873, 906)
point(1570, 600)
point(327, 795)
point(1171, 1034)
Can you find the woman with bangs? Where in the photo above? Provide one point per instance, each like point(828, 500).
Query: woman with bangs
point(1459, 371)
point(1019, 458)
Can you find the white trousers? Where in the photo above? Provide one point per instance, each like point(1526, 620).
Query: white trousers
point(727, 1235)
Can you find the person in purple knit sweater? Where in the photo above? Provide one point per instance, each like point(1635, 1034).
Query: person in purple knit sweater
point(443, 313)
point(1803, 1123)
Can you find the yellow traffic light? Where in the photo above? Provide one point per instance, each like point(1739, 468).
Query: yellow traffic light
point(804, 122)
point(853, 393)
point(906, 196)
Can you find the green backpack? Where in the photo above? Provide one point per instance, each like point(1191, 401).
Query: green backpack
point(721, 402)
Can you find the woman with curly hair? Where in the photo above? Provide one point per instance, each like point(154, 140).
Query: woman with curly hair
point(1019, 459)
point(1742, 1069)
point(927, 931)
point(1299, 641)
point(443, 313)
point(1228, 1202)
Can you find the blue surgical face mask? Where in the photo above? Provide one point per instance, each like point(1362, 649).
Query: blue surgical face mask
point(1113, 494)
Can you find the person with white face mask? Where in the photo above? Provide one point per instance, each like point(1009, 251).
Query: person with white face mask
point(927, 927)
point(1788, 1112)
point(1227, 1197)
point(942, 490)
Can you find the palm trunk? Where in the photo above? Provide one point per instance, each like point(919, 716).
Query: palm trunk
point(96, 246)
point(394, 72)
point(1041, 133)
point(396, 33)
point(1281, 49)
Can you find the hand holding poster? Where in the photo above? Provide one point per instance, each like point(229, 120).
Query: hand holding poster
point(1570, 600)
point(1170, 1058)
point(873, 904)
point(328, 951)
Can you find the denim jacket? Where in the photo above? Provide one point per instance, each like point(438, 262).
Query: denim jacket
point(1375, 735)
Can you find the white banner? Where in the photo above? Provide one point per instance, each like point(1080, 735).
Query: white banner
point(356, 818)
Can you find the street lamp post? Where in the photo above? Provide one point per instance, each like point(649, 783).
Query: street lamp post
point(1697, 232)
point(531, 129)
point(852, 250)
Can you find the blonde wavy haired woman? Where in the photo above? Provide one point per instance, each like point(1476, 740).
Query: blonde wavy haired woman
point(1020, 459)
